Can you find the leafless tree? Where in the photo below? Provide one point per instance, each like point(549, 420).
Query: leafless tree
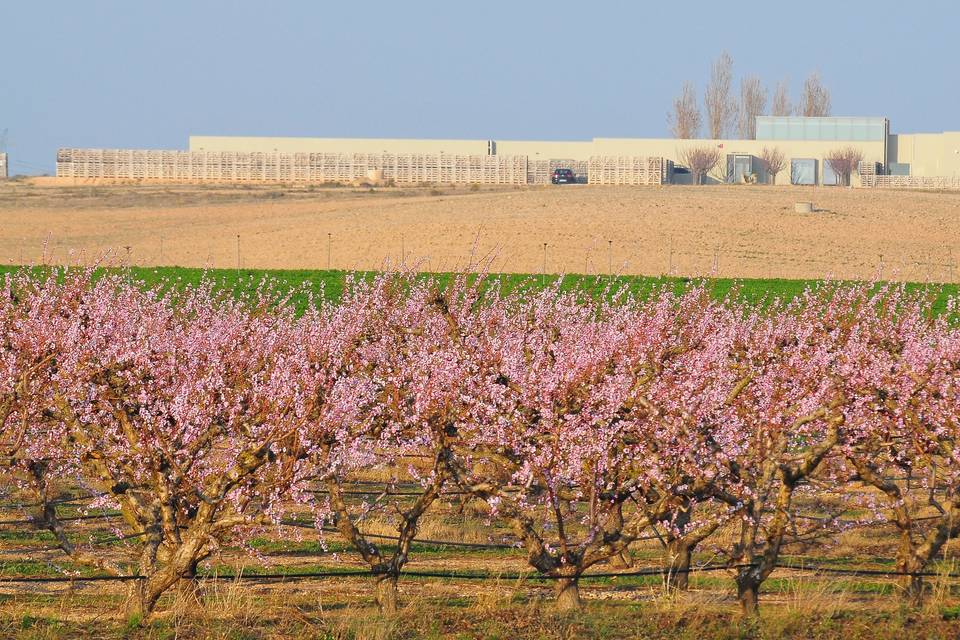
point(700, 160)
point(815, 100)
point(753, 102)
point(722, 171)
point(685, 118)
point(720, 105)
point(844, 162)
point(773, 162)
point(781, 105)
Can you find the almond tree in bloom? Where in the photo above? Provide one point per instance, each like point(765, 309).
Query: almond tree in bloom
point(187, 415)
point(39, 321)
point(779, 421)
point(559, 456)
point(680, 357)
point(904, 427)
point(408, 354)
point(583, 423)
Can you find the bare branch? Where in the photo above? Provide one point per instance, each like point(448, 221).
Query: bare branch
point(685, 118)
point(815, 100)
point(700, 160)
point(781, 105)
point(753, 102)
point(844, 162)
point(721, 108)
point(773, 162)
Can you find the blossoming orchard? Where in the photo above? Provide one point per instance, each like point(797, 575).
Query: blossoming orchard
point(582, 424)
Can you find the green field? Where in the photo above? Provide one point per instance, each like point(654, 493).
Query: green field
point(301, 284)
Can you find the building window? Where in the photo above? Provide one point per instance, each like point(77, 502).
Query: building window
point(803, 171)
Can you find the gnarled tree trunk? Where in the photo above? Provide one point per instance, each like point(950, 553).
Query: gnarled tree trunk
point(748, 590)
point(181, 563)
point(568, 594)
point(387, 594)
point(679, 556)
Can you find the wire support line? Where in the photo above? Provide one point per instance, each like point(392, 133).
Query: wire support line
point(458, 575)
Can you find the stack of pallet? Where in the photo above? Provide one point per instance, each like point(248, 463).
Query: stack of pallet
point(951, 183)
point(235, 166)
point(633, 170)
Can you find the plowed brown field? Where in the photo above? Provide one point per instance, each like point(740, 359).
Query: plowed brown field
point(735, 231)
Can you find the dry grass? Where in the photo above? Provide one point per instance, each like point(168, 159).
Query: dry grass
point(794, 603)
point(338, 611)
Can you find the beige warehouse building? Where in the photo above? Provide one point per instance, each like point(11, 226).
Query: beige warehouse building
point(924, 160)
point(922, 155)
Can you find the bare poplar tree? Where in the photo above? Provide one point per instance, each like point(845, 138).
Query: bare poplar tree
point(685, 118)
point(720, 105)
point(773, 162)
point(815, 100)
point(753, 102)
point(844, 162)
point(700, 161)
point(781, 105)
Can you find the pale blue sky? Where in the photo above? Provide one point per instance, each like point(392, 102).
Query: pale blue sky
point(105, 73)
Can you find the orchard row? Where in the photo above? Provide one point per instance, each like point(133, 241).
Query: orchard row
point(580, 423)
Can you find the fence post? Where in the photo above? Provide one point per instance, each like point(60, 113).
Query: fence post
point(543, 272)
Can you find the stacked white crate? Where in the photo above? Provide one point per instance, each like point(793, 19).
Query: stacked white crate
point(627, 170)
point(233, 166)
point(944, 183)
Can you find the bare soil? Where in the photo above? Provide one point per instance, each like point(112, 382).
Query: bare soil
point(729, 231)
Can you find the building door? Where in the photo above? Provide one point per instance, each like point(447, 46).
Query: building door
point(739, 167)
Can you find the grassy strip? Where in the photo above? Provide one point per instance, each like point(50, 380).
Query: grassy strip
point(301, 284)
point(466, 618)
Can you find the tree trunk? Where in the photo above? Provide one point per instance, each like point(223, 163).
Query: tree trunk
point(913, 587)
point(144, 594)
point(387, 594)
point(907, 563)
point(748, 590)
point(188, 587)
point(568, 594)
point(155, 587)
point(622, 560)
point(135, 610)
point(679, 556)
point(150, 589)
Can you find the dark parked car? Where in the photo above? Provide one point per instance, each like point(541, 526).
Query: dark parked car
point(563, 176)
